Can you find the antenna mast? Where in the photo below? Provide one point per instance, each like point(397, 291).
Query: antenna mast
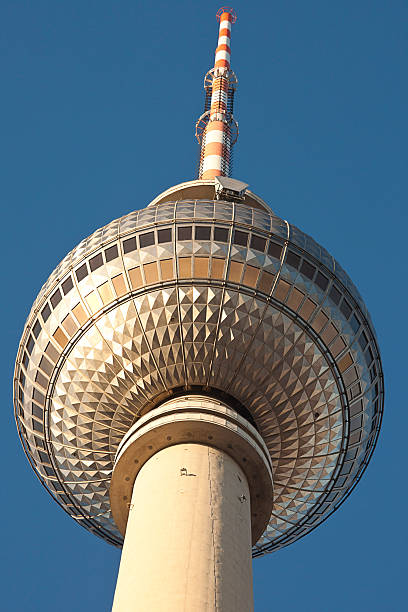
point(216, 129)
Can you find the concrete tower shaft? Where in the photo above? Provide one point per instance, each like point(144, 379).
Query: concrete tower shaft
point(188, 545)
point(191, 491)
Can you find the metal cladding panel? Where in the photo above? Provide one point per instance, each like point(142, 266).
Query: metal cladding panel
point(200, 294)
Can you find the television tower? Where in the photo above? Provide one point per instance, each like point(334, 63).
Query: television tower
point(199, 381)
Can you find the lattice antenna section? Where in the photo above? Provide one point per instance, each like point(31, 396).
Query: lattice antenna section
point(216, 129)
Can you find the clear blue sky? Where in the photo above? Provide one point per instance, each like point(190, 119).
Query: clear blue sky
point(98, 106)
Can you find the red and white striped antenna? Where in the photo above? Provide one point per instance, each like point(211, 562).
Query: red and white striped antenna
point(216, 129)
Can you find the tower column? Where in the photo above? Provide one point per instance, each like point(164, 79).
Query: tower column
point(188, 542)
point(191, 491)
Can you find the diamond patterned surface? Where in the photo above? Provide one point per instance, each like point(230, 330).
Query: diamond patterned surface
point(105, 341)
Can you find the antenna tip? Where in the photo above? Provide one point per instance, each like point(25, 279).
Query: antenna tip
point(227, 9)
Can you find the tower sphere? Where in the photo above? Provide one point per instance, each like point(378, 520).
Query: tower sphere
point(204, 291)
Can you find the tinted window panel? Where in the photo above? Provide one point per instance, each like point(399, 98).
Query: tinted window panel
point(275, 250)
point(67, 285)
point(146, 240)
point(355, 323)
point(293, 260)
point(46, 366)
point(321, 281)
point(36, 425)
point(56, 298)
point(363, 340)
point(96, 262)
point(184, 233)
point(30, 344)
point(220, 234)
point(38, 396)
point(335, 295)
point(111, 253)
point(82, 272)
point(36, 328)
point(37, 411)
point(240, 238)
point(307, 269)
point(39, 442)
point(202, 232)
point(164, 235)
point(129, 245)
point(44, 457)
point(258, 243)
point(356, 408)
point(45, 313)
point(345, 308)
